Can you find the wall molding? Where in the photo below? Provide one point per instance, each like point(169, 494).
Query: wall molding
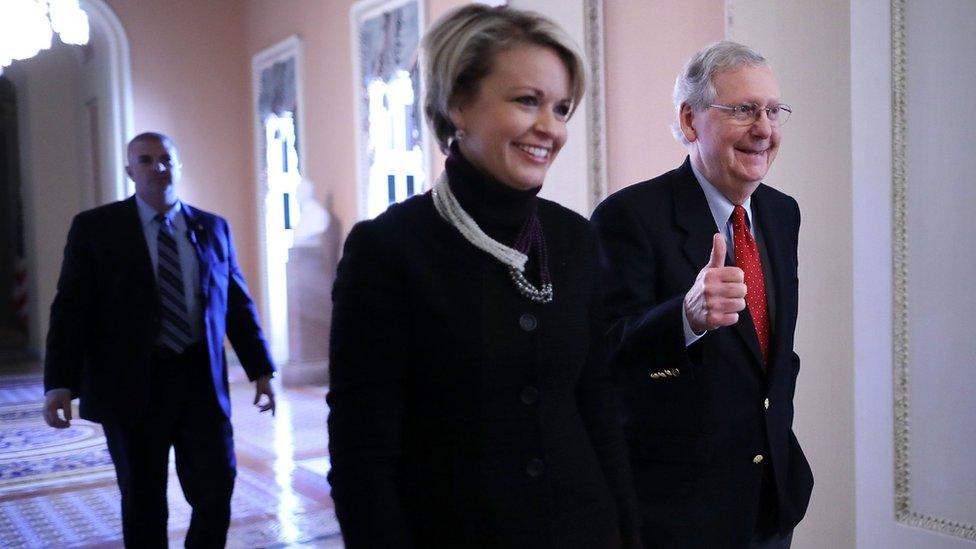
point(288, 48)
point(361, 11)
point(904, 513)
point(119, 104)
point(596, 111)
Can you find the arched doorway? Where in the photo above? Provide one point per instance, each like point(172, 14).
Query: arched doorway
point(73, 117)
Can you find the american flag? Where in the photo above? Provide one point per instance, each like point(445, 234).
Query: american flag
point(19, 297)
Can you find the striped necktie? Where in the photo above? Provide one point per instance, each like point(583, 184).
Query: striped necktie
point(175, 329)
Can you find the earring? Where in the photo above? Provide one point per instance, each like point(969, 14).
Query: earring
point(459, 135)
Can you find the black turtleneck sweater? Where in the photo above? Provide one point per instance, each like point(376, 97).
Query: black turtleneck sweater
point(499, 210)
point(462, 414)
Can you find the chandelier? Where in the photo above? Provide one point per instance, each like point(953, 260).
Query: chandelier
point(27, 27)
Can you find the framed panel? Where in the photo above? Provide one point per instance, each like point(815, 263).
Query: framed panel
point(278, 111)
point(596, 119)
point(934, 403)
point(578, 177)
point(392, 145)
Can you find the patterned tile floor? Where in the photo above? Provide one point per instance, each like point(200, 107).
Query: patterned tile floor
point(57, 488)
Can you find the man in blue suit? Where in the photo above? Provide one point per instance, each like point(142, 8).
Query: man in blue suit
point(701, 274)
point(149, 288)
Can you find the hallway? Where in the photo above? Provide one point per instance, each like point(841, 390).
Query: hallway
point(57, 488)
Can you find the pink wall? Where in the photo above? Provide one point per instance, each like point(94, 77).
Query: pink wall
point(646, 44)
point(436, 8)
point(324, 28)
point(190, 79)
point(330, 151)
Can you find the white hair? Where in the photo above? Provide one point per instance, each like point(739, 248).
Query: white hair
point(694, 87)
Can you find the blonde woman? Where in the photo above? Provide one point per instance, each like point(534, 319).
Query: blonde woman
point(471, 405)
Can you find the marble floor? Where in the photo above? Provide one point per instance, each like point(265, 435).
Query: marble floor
point(57, 487)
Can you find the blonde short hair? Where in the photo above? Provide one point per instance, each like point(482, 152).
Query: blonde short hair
point(460, 47)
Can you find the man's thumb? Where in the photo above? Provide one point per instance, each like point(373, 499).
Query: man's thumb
point(718, 252)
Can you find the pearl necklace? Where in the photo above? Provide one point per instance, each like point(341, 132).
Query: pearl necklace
point(451, 211)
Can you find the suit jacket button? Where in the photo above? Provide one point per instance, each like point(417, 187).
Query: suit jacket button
point(529, 395)
point(766, 404)
point(528, 322)
point(758, 459)
point(535, 467)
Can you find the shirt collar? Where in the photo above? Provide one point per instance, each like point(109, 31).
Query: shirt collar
point(720, 206)
point(147, 213)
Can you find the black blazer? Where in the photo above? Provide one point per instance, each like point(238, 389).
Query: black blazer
point(105, 317)
point(694, 433)
point(461, 413)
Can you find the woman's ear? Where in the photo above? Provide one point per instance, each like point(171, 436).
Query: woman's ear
point(456, 113)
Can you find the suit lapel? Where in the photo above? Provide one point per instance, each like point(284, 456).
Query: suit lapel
point(201, 245)
point(134, 238)
point(746, 329)
point(694, 217)
point(775, 236)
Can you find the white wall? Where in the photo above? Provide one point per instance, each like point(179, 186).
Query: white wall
point(873, 285)
point(807, 44)
point(871, 167)
point(46, 87)
point(95, 84)
point(940, 76)
point(567, 181)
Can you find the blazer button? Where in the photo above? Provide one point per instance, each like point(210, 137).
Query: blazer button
point(766, 404)
point(529, 395)
point(535, 467)
point(758, 459)
point(528, 322)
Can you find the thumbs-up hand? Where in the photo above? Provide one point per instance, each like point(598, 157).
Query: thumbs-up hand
point(718, 293)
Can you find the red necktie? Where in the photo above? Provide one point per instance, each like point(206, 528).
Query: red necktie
point(747, 259)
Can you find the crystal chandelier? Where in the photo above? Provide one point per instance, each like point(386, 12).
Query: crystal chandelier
point(27, 27)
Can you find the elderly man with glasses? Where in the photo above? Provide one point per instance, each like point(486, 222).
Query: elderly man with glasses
point(701, 282)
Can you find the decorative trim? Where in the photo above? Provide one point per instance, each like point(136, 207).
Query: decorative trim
point(290, 47)
point(359, 12)
point(899, 259)
point(119, 105)
point(596, 110)
point(902, 443)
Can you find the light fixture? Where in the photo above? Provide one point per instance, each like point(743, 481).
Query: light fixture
point(27, 27)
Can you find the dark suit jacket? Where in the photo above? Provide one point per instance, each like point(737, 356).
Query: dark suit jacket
point(105, 317)
point(461, 413)
point(694, 433)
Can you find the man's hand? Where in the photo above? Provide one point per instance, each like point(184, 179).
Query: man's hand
point(54, 400)
point(262, 386)
point(718, 293)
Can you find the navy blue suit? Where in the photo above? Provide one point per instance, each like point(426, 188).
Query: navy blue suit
point(697, 431)
point(102, 345)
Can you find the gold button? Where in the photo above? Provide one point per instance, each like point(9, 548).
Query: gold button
point(758, 459)
point(766, 404)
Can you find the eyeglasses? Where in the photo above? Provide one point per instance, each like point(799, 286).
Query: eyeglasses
point(749, 113)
